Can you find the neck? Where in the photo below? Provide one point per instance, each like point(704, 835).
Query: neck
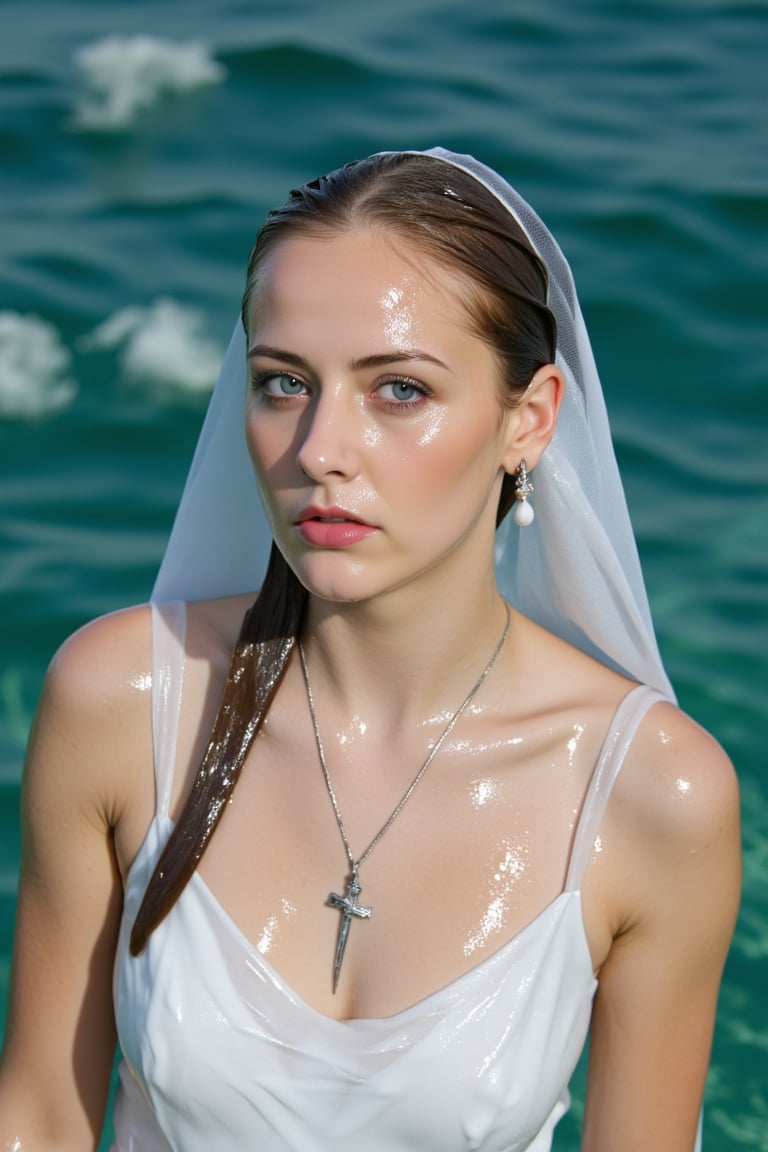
point(401, 656)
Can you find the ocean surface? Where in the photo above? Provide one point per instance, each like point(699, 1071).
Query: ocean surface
point(141, 144)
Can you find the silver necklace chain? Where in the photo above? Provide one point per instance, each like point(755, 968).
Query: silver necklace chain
point(347, 904)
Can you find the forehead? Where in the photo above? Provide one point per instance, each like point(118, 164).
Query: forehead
point(369, 274)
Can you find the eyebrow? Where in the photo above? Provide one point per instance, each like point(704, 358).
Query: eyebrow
point(398, 356)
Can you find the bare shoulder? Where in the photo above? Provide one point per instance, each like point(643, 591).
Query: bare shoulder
point(672, 838)
point(102, 674)
point(91, 742)
point(107, 664)
point(93, 712)
point(679, 782)
point(101, 659)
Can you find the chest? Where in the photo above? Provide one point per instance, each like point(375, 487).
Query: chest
point(472, 857)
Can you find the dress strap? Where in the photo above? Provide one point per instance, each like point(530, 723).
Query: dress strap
point(169, 621)
point(621, 732)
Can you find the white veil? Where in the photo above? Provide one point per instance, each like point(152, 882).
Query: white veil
point(575, 570)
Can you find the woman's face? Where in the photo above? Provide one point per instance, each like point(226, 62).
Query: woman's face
point(374, 419)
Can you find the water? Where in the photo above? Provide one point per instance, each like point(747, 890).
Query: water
point(133, 175)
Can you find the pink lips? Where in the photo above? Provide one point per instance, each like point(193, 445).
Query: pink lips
point(331, 527)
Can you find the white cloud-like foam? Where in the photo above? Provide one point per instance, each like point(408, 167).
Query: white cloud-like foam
point(125, 75)
point(33, 367)
point(164, 343)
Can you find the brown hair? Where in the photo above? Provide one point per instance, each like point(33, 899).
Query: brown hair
point(448, 217)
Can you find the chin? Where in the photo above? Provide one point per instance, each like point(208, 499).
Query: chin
point(342, 578)
point(350, 587)
point(333, 594)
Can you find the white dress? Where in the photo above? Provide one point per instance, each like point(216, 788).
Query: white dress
point(221, 1054)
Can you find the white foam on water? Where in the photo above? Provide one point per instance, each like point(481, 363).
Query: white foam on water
point(125, 75)
point(33, 367)
point(163, 344)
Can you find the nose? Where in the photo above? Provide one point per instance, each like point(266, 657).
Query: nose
point(331, 437)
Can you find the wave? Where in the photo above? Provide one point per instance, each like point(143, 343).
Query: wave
point(164, 343)
point(34, 366)
point(285, 58)
point(125, 75)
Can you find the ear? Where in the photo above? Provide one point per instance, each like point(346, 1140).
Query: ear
point(532, 423)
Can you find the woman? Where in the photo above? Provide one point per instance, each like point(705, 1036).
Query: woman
point(469, 820)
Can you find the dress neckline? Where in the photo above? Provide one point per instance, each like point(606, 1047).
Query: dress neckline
point(554, 908)
point(423, 1004)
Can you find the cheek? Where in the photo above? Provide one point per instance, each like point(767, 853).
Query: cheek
point(256, 445)
point(456, 454)
point(268, 445)
point(434, 426)
point(435, 451)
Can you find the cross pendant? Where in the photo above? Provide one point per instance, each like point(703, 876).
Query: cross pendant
point(348, 906)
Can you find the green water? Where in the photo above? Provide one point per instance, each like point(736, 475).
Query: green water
point(637, 130)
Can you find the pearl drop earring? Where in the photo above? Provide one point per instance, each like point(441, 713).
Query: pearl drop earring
point(523, 514)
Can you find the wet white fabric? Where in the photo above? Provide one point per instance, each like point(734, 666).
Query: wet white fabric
point(219, 1052)
point(575, 570)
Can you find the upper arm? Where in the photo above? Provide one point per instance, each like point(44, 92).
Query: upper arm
point(678, 817)
point(60, 1037)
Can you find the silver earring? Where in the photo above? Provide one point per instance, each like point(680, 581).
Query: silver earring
point(523, 514)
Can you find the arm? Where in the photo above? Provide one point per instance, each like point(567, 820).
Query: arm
point(677, 831)
point(60, 1039)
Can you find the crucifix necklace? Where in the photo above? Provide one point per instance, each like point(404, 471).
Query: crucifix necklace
point(348, 904)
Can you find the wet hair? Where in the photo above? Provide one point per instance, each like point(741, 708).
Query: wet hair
point(445, 216)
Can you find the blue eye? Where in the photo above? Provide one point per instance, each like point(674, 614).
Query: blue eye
point(402, 391)
point(280, 385)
